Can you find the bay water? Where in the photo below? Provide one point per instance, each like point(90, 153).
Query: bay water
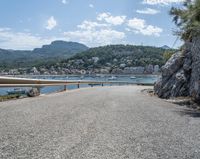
point(135, 79)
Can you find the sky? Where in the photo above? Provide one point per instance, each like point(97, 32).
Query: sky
point(27, 24)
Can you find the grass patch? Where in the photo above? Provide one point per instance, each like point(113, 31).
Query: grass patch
point(9, 97)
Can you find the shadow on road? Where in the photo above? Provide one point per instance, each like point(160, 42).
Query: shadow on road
point(189, 112)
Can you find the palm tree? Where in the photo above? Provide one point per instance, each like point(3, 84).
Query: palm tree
point(187, 19)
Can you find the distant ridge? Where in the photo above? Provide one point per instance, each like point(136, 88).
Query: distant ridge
point(165, 47)
point(57, 50)
point(60, 48)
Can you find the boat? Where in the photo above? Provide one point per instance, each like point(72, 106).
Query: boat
point(132, 77)
point(17, 91)
point(112, 78)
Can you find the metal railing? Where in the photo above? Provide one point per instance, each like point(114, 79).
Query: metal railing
point(39, 83)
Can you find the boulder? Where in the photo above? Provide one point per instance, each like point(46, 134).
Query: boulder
point(34, 92)
point(173, 81)
point(172, 65)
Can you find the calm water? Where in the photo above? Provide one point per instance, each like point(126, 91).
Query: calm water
point(150, 79)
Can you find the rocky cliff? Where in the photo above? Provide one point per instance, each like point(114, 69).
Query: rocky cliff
point(181, 74)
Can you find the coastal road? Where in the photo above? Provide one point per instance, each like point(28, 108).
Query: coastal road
point(117, 122)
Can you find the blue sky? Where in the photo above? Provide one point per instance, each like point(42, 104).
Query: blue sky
point(26, 24)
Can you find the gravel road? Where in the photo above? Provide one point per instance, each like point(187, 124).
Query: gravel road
point(118, 122)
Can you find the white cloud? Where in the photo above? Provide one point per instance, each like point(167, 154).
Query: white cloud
point(148, 11)
point(114, 20)
point(91, 5)
point(95, 34)
point(139, 26)
point(19, 40)
point(161, 2)
point(89, 25)
point(64, 1)
point(51, 23)
point(95, 37)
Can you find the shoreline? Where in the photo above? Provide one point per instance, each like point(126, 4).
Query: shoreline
point(85, 75)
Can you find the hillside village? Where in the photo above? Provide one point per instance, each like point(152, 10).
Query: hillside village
point(149, 69)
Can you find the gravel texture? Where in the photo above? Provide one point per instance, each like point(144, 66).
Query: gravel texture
point(118, 122)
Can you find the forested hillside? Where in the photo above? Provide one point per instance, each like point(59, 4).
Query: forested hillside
point(112, 59)
point(119, 54)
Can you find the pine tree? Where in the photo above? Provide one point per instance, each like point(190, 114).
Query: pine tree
point(187, 19)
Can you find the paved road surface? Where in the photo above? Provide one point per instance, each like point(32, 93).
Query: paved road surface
point(98, 123)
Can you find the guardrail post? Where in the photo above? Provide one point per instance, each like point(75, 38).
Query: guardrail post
point(39, 91)
point(65, 87)
point(38, 88)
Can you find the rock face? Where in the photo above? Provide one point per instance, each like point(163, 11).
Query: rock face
point(181, 74)
point(195, 73)
point(34, 92)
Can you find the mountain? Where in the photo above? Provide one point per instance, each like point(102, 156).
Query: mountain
point(57, 50)
point(60, 48)
point(165, 47)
